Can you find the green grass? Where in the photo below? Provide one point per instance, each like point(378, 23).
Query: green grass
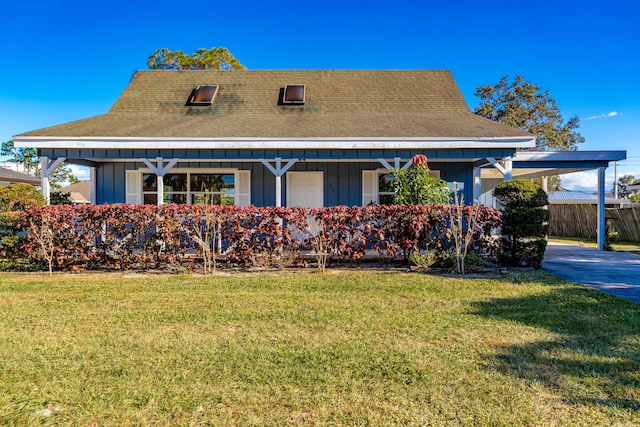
point(591, 243)
point(354, 348)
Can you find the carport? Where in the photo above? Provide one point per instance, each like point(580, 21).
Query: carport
point(543, 164)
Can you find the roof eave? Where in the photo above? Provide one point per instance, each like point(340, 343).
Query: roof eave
point(274, 143)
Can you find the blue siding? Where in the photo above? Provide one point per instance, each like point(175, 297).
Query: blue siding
point(342, 180)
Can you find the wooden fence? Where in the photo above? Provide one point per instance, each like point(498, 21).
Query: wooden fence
point(573, 221)
point(626, 221)
point(582, 221)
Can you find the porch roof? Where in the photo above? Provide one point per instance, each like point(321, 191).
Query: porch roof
point(536, 164)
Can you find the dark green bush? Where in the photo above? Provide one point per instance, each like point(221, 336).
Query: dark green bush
point(525, 222)
point(14, 199)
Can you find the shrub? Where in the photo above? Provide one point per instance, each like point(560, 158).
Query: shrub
point(414, 186)
point(14, 199)
point(525, 222)
point(143, 237)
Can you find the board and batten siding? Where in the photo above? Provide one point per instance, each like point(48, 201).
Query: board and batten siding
point(343, 181)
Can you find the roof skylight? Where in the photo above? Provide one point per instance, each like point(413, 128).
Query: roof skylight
point(294, 94)
point(203, 95)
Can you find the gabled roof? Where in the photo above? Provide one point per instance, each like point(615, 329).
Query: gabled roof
point(339, 104)
point(7, 175)
point(79, 193)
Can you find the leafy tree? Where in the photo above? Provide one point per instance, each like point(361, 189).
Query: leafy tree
point(216, 58)
point(25, 157)
point(414, 186)
point(554, 183)
point(522, 105)
point(622, 184)
point(60, 198)
point(26, 160)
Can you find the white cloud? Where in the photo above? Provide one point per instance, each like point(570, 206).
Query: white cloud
point(580, 181)
point(602, 116)
point(587, 181)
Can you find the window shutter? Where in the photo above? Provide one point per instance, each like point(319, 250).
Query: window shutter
point(369, 187)
point(243, 197)
point(133, 187)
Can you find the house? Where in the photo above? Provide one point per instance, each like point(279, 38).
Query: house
point(276, 138)
point(308, 138)
point(7, 176)
point(79, 193)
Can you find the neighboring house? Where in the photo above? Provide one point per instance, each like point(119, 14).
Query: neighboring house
point(277, 138)
point(7, 176)
point(79, 193)
point(583, 198)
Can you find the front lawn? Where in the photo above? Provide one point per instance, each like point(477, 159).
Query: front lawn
point(343, 348)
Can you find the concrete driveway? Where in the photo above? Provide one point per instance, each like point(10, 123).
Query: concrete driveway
point(617, 273)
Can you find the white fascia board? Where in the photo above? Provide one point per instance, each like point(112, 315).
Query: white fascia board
point(271, 143)
point(531, 156)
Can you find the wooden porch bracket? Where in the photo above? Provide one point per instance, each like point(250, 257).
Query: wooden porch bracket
point(47, 167)
point(396, 162)
point(160, 169)
point(278, 171)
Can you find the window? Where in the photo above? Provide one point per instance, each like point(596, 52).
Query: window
point(386, 192)
point(191, 188)
point(377, 186)
point(294, 94)
point(203, 95)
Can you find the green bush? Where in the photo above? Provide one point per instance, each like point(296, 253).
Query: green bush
point(19, 197)
point(14, 199)
point(525, 222)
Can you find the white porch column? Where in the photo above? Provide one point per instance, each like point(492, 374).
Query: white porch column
point(601, 219)
point(545, 183)
point(92, 185)
point(160, 170)
point(46, 169)
point(477, 183)
point(508, 166)
point(278, 171)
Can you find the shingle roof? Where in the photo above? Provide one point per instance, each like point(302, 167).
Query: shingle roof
point(80, 192)
point(340, 103)
point(7, 175)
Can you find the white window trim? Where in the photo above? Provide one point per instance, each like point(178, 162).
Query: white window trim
point(221, 171)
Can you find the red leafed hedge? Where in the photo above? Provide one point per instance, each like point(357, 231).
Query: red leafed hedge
point(145, 237)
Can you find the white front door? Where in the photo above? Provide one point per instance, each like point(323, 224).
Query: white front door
point(305, 189)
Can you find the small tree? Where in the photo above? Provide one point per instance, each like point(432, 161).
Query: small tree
point(623, 190)
point(43, 232)
point(525, 222)
point(462, 225)
point(414, 186)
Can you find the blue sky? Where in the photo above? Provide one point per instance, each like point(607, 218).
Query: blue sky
point(66, 60)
